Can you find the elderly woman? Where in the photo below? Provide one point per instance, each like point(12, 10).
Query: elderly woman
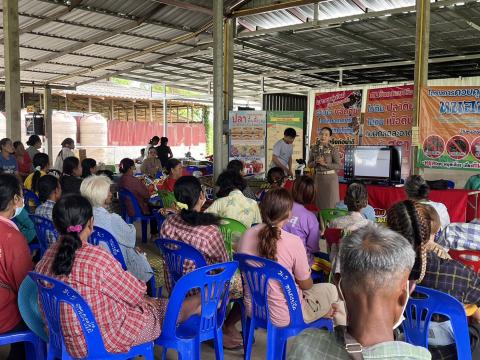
point(417, 189)
point(151, 165)
point(418, 223)
point(97, 190)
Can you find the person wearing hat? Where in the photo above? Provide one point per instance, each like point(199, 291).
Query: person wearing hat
point(283, 151)
point(418, 223)
point(325, 159)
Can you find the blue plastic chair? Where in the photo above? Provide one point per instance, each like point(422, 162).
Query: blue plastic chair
point(101, 235)
point(30, 309)
point(419, 313)
point(28, 197)
point(54, 292)
point(43, 227)
point(213, 283)
point(125, 196)
point(34, 347)
point(256, 273)
point(175, 253)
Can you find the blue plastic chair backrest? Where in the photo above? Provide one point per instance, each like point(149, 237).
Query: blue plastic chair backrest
point(213, 284)
point(256, 273)
point(52, 294)
point(101, 235)
point(419, 313)
point(43, 226)
point(175, 253)
point(126, 196)
point(29, 308)
point(30, 196)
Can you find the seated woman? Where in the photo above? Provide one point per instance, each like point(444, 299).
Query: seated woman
point(34, 144)
point(97, 190)
point(125, 315)
point(231, 203)
point(23, 160)
point(237, 166)
point(151, 165)
point(49, 192)
point(303, 223)
point(8, 162)
point(417, 189)
point(356, 199)
point(70, 179)
point(16, 259)
point(418, 223)
point(174, 170)
point(41, 163)
point(138, 189)
point(276, 179)
point(268, 240)
point(68, 145)
point(89, 167)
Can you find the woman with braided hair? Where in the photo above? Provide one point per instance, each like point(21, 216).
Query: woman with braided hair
point(268, 240)
point(434, 268)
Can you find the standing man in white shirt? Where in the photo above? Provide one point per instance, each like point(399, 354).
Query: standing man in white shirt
point(283, 150)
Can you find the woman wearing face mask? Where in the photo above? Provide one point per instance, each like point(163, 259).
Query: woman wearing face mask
point(68, 145)
point(15, 259)
point(325, 159)
point(434, 269)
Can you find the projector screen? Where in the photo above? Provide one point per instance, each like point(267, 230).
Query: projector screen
point(372, 163)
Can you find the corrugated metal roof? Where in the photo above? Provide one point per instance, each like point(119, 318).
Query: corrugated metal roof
point(275, 55)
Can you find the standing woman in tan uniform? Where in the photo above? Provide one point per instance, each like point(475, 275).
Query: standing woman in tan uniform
point(325, 159)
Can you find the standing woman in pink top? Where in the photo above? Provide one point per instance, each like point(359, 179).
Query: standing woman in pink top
point(270, 241)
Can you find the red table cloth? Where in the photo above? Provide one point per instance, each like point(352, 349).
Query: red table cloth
point(382, 197)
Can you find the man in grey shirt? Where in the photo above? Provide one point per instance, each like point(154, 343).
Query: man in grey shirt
point(283, 150)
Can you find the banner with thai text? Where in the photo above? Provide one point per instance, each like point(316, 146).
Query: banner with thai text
point(340, 111)
point(277, 122)
point(388, 120)
point(247, 139)
point(450, 128)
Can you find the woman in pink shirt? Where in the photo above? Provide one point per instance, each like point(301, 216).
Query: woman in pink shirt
point(270, 241)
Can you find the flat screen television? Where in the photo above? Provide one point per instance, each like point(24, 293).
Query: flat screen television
point(375, 163)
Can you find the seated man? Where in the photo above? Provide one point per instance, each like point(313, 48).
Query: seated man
point(375, 266)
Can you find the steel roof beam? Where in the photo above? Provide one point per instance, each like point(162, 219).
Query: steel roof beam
point(186, 6)
point(360, 5)
point(93, 9)
point(273, 7)
point(318, 24)
point(298, 14)
point(93, 40)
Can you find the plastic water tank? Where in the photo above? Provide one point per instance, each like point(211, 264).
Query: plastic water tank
point(3, 126)
point(94, 136)
point(64, 126)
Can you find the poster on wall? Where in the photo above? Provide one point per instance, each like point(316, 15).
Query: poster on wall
point(388, 120)
point(339, 110)
point(450, 128)
point(247, 139)
point(277, 122)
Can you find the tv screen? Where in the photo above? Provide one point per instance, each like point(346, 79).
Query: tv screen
point(372, 162)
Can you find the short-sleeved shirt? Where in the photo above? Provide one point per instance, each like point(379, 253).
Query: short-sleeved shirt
point(238, 207)
point(8, 166)
point(283, 152)
point(291, 254)
point(319, 344)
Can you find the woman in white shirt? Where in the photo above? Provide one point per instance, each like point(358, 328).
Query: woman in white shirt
point(417, 189)
point(97, 190)
point(68, 145)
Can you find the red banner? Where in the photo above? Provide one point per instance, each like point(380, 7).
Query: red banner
point(388, 120)
point(340, 111)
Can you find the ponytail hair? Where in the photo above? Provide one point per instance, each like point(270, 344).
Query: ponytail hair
point(187, 190)
point(274, 208)
point(71, 215)
point(40, 162)
point(46, 186)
